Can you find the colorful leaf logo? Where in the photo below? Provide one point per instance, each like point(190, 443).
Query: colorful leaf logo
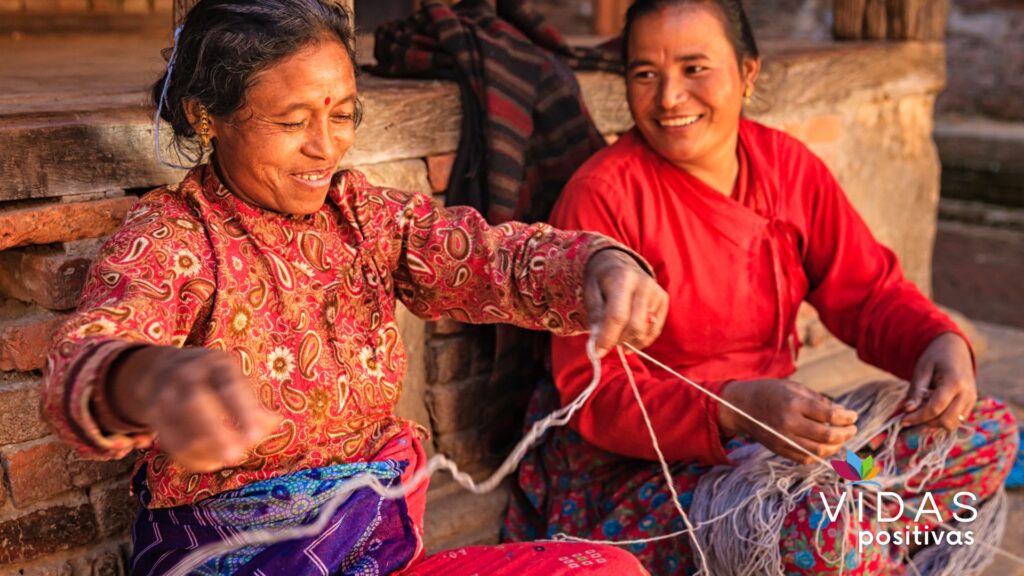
point(856, 470)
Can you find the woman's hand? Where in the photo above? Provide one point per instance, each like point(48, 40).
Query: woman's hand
point(624, 304)
point(807, 417)
point(196, 400)
point(943, 390)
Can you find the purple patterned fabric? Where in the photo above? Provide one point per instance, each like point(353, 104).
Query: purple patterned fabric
point(367, 535)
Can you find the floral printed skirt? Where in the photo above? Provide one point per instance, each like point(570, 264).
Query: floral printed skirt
point(569, 486)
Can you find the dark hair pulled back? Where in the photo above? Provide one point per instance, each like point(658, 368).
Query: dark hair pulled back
point(734, 20)
point(223, 44)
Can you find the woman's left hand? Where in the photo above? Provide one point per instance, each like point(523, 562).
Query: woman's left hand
point(944, 382)
point(624, 304)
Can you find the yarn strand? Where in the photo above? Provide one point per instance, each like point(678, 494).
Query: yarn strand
point(933, 562)
point(669, 480)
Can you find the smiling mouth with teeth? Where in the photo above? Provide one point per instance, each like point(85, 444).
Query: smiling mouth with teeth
point(678, 122)
point(312, 177)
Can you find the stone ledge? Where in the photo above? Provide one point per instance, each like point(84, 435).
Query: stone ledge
point(982, 159)
point(980, 143)
point(71, 153)
point(72, 145)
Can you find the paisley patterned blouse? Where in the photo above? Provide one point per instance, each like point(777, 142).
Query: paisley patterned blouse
point(307, 307)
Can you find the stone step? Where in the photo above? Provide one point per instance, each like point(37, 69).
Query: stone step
point(982, 159)
point(981, 213)
point(456, 517)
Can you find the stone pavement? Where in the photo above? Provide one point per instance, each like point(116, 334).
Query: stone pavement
point(1001, 374)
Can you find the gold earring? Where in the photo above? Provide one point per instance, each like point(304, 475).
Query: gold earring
point(748, 93)
point(204, 128)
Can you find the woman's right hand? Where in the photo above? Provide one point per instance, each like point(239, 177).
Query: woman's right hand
point(807, 417)
point(203, 410)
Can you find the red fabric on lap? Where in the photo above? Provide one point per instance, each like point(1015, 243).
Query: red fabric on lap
point(547, 558)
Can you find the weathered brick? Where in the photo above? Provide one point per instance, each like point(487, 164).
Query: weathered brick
point(466, 447)
point(19, 417)
point(823, 129)
point(73, 5)
point(97, 559)
point(48, 276)
point(102, 563)
point(36, 470)
point(41, 5)
point(114, 507)
point(482, 353)
point(136, 6)
point(88, 472)
point(448, 359)
point(56, 222)
point(46, 531)
point(794, 129)
point(51, 565)
point(444, 327)
point(25, 334)
point(106, 5)
point(456, 406)
point(439, 171)
point(410, 175)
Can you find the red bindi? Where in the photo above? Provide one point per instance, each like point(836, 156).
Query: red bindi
point(327, 101)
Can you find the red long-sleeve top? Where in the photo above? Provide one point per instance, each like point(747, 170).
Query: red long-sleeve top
point(736, 269)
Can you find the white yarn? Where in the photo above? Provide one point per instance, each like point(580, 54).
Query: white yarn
point(266, 536)
point(669, 481)
point(931, 562)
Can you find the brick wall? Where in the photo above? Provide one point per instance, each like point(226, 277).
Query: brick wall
point(62, 515)
point(86, 6)
point(72, 513)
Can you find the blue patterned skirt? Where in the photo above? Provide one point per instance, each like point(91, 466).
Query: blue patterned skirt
point(366, 535)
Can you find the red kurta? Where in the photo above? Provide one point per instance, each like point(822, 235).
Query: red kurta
point(736, 269)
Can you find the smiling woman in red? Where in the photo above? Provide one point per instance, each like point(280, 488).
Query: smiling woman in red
point(741, 224)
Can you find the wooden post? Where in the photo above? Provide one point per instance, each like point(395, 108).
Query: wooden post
point(899, 20)
point(609, 16)
point(848, 19)
point(876, 20)
point(931, 23)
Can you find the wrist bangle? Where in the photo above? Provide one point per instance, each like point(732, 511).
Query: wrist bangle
point(105, 410)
